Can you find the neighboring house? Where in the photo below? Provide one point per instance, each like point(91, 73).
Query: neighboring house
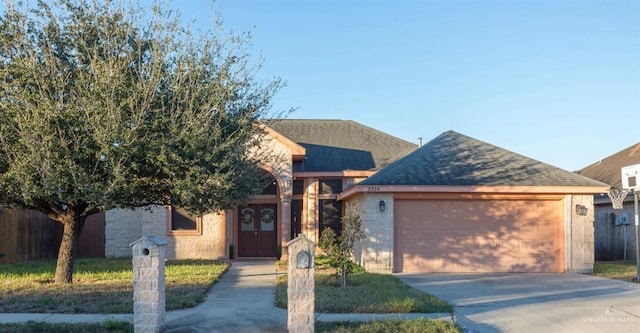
point(611, 231)
point(315, 161)
point(458, 204)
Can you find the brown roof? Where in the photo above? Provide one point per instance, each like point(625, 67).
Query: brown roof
point(608, 169)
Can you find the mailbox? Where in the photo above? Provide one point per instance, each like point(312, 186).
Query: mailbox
point(303, 259)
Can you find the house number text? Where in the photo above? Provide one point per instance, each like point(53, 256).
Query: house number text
point(374, 189)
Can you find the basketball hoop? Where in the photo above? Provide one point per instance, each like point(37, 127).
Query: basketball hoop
point(617, 197)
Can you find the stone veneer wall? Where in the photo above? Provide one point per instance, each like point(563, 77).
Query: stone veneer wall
point(122, 227)
point(375, 252)
point(579, 234)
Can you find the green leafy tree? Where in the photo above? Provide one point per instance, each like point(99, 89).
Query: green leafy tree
point(339, 249)
point(106, 105)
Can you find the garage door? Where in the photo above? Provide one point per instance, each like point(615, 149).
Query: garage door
point(478, 236)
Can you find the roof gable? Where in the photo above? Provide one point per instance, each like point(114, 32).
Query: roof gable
point(454, 159)
point(608, 169)
point(338, 145)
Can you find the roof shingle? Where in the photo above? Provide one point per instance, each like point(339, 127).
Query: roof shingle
point(338, 145)
point(455, 159)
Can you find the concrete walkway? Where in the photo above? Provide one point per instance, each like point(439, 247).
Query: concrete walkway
point(242, 301)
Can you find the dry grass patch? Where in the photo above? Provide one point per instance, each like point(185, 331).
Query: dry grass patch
point(100, 286)
point(618, 270)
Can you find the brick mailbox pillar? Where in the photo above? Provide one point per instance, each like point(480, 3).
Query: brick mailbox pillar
point(148, 284)
point(301, 285)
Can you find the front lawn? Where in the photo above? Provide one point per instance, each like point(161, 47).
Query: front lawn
point(100, 286)
point(625, 271)
point(365, 293)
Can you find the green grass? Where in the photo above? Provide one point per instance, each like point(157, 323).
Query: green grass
point(618, 270)
point(365, 293)
point(39, 327)
point(390, 326)
point(100, 286)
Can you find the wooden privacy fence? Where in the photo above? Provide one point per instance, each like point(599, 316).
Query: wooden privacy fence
point(27, 235)
point(610, 236)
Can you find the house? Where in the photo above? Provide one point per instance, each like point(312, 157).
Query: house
point(456, 204)
point(317, 160)
point(614, 236)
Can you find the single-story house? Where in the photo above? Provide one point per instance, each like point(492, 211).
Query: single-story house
point(458, 204)
point(455, 204)
point(613, 227)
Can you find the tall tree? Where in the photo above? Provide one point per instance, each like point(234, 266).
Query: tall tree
point(104, 105)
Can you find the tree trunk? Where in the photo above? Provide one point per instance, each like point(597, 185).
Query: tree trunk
point(66, 255)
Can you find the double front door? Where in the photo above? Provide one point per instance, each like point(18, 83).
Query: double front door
point(257, 230)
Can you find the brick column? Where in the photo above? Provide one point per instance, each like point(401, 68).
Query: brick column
point(285, 227)
point(148, 284)
point(301, 286)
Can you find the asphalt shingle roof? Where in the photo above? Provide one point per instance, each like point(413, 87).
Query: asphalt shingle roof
point(338, 145)
point(456, 159)
point(608, 169)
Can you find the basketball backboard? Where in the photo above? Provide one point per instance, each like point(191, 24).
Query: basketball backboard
point(631, 177)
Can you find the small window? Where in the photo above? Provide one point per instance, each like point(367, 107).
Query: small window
point(330, 186)
point(182, 222)
point(298, 186)
point(330, 215)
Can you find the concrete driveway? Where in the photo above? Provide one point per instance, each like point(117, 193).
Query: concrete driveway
point(549, 303)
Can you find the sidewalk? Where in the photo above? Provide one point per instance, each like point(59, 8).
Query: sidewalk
point(242, 301)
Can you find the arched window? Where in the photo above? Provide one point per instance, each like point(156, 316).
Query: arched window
point(269, 182)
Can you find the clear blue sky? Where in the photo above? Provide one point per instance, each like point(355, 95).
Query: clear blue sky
point(555, 80)
point(558, 81)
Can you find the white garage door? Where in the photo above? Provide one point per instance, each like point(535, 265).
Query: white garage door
point(478, 236)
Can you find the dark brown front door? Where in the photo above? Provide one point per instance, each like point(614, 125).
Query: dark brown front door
point(257, 230)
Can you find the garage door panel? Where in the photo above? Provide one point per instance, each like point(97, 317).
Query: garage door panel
point(478, 236)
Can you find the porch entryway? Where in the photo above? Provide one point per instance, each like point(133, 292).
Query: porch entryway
point(257, 230)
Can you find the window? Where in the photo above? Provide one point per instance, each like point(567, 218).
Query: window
point(182, 222)
point(269, 182)
point(298, 186)
point(329, 208)
point(330, 186)
point(330, 215)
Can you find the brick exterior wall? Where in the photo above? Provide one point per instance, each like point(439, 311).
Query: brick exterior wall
point(579, 234)
point(123, 226)
point(375, 252)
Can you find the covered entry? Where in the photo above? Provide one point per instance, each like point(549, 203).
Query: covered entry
point(257, 230)
point(478, 235)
